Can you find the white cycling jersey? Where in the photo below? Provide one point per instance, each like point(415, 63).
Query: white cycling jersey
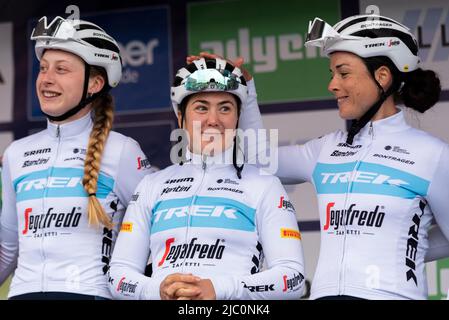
point(200, 218)
point(377, 199)
point(44, 225)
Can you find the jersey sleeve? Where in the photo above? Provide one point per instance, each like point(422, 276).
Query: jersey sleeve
point(294, 164)
point(280, 242)
point(250, 118)
point(297, 162)
point(133, 166)
point(9, 244)
point(438, 195)
point(132, 249)
point(438, 245)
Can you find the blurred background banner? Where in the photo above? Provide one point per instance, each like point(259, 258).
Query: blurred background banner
point(270, 37)
point(144, 40)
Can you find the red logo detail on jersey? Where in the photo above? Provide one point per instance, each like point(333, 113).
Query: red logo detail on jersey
point(328, 214)
point(167, 250)
point(142, 163)
point(27, 220)
point(285, 284)
point(120, 283)
point(126, 288)
point(284, 204)
point(292, 284)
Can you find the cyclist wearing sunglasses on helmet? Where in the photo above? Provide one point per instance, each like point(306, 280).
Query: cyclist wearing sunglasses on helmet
point(209, 221)
point(65, 189)
point(381, 184)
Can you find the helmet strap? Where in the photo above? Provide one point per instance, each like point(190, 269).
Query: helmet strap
point(357, 125)
point(180, 154)
point(238, 168)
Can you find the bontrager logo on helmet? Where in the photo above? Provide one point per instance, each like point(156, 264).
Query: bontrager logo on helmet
point(208, 75)
point(85, 39)
point(367, 38)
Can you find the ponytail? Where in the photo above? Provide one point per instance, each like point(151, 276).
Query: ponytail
point(103, 108)
point(421, 90)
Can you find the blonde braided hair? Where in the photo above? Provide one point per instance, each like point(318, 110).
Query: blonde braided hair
point(103, 108)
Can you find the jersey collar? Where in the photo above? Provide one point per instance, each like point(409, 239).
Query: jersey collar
point(72, 128)
point(391, 124)
point(218, 160)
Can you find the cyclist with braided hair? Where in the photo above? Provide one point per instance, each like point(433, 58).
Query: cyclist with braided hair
point(209, 221)
point(66, 188)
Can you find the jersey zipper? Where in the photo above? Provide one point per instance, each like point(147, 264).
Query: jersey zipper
point(192, 202)
point(342, 276)
point(50, 174)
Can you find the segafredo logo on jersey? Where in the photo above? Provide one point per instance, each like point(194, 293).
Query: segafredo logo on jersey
point(353, 217)
point(293, 283)
point(192, 250)
point(126, 288)
point(143, 163)
point(211, 212)
point(58, 183)
point(367, 178)
point(285, 204)
point(51, 219)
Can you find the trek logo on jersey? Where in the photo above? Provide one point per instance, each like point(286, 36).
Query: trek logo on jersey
point(35, 222)
point(290, 234)
point(142, 163)
point(192, 250)
point(292, 284)
point(202, 211)
point(367, 178)
point(126, 227)
point(412, 244)
point(286, 205)
point(126, 288)
point(35, 152)
point(259, 288)
point(352, 216)
point(51, 182)
point(58, 182)
point(361, 177)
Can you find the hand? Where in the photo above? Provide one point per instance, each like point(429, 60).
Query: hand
point(177, 281)
point(204, 287)
point(237, 63)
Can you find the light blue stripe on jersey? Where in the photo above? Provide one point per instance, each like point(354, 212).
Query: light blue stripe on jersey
point(370, 178)
point(64, 182)
point(208, 212)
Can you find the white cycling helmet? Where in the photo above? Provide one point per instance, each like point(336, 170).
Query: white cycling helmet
point(208, 75)
point(82, 38)
point(367, 36)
